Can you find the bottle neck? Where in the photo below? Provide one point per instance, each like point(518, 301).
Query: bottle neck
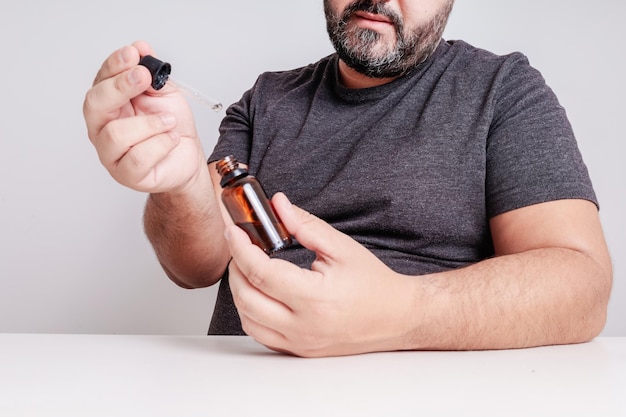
point(230, 170)
point(231, 176)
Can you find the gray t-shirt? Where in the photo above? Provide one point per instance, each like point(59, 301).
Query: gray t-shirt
point(413, 169)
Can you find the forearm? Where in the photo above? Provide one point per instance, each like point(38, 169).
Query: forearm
point(186, 231)
point(539, 297)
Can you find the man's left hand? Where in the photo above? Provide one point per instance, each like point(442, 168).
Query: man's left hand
point(349, 302)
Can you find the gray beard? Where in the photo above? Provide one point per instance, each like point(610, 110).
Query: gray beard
point(356, 46)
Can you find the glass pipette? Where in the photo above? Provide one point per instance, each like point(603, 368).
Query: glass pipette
point(161, 75)
point(195, 94)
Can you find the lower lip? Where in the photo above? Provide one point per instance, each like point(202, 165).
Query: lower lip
point(376, 25)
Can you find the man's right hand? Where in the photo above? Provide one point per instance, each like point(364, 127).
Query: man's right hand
point(145, 138)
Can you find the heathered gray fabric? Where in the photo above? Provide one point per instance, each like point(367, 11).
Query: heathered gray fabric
point(413, 169)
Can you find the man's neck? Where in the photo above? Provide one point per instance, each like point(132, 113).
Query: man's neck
point(354, 79)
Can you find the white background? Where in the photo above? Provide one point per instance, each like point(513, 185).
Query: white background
point(73, 257)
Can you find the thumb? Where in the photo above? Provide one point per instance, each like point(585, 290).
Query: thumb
point(310, 231)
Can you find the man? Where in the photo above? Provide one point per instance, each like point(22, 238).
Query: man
point(440, 201)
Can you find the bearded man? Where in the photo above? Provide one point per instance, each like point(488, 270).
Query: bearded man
point(435, 190)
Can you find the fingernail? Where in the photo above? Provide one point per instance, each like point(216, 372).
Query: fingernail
point(283, 200)
point(168, 119)
point(124, 55)
point(175, 137)
point(134, 76)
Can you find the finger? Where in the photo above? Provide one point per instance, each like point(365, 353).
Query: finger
point(309, 230)
point(123, 59)
point(254, 305)
point(276, 278)
point(269, 337)
point(138, 167)
point(264, 335)
point(118, 136)
point(104, 101)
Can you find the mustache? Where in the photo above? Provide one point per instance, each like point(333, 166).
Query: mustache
point(374, 7)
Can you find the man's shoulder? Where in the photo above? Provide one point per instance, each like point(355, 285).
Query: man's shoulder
point(478, 66)
point(312, 72)
point(461, 50)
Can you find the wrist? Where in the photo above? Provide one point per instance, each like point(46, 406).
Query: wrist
point(427, 324)
point(195, 199)
point(198, 182)
point(191, 194)
point(405, 314)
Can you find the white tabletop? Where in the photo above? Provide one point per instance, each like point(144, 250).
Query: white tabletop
point(98, 375)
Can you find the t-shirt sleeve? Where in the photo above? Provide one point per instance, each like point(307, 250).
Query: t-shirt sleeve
point(532, 154)
point(235, 131)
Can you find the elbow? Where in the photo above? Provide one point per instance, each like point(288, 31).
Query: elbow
point(597, 294)
point(192, 280)
point(591, 327)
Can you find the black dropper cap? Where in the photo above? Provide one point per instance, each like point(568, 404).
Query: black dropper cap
point(160, 70)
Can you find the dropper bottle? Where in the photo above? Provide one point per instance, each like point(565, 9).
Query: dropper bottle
point(249, 207)
point(160, 72)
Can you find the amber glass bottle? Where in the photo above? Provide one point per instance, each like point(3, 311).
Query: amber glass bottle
point(250, 208)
